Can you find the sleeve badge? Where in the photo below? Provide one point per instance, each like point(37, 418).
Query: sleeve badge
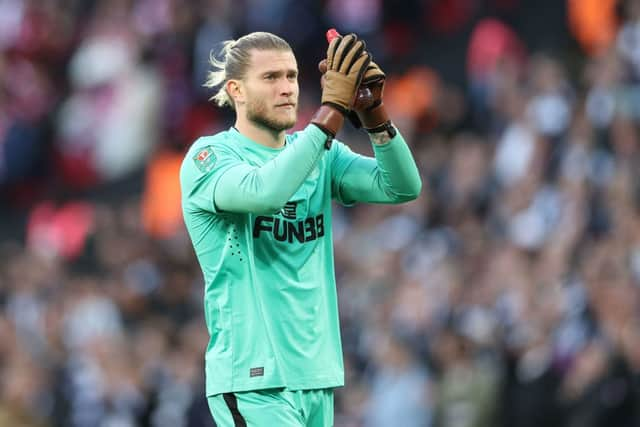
point(205, 159)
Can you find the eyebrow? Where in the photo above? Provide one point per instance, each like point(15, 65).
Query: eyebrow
point(279, 72)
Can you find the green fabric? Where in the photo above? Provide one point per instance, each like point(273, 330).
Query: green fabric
point(266, 253)
point(268, 408)
point(391, 177)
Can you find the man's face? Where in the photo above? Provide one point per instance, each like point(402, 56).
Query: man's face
point(271, 89)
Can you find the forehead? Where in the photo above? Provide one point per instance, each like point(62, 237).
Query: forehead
point(271, 60)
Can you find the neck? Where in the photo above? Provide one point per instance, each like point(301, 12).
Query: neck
point(260, 134)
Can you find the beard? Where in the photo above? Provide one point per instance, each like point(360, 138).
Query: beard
point(258, 114)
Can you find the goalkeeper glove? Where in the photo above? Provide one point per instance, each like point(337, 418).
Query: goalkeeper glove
point(346, 64)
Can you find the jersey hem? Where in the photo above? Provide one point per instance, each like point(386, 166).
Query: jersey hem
point(293, 387)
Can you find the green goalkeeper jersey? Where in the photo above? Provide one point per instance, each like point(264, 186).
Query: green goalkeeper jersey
point(260, 222)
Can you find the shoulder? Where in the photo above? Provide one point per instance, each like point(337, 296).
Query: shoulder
point(222, 141)
point(207, 152)
point(220, 144)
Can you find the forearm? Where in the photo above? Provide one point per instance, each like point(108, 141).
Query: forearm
point(392, 177)
point(398, 170)
point(267, 188)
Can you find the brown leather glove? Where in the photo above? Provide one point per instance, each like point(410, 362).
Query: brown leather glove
point(346, 64)
point(370, 109)
point(368, 106)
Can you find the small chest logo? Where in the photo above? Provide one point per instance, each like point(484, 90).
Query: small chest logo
point(289, 210)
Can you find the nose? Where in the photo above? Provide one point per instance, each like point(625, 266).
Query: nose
point(287, 88)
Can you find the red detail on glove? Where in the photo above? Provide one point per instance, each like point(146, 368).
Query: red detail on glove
point(332, 33)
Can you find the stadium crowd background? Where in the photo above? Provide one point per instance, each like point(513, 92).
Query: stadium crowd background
point(506, 295)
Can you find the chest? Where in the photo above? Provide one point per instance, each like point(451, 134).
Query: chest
point(309, 199)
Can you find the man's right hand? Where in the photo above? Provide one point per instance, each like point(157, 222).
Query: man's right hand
point(347, 62)
point(367, 104)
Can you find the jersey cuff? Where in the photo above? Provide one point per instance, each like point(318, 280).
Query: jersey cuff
point(316, 135)
point(389, 145)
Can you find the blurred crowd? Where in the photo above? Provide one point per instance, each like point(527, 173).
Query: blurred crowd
point(506, 295)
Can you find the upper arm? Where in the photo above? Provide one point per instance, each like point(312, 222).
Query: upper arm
point(353, 176)
point(386, 178)
point(341, 159)
point(200, 173)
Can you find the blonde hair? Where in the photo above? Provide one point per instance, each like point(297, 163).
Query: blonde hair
point(234, 60)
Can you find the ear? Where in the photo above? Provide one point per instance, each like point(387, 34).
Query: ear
point(235, 89)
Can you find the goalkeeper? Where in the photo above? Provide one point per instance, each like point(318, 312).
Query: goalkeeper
point(257, 205)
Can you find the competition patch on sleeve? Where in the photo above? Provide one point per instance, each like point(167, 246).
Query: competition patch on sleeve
point(205, 158)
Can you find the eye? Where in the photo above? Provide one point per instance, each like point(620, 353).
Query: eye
point(292, 76)
point(270, 77)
